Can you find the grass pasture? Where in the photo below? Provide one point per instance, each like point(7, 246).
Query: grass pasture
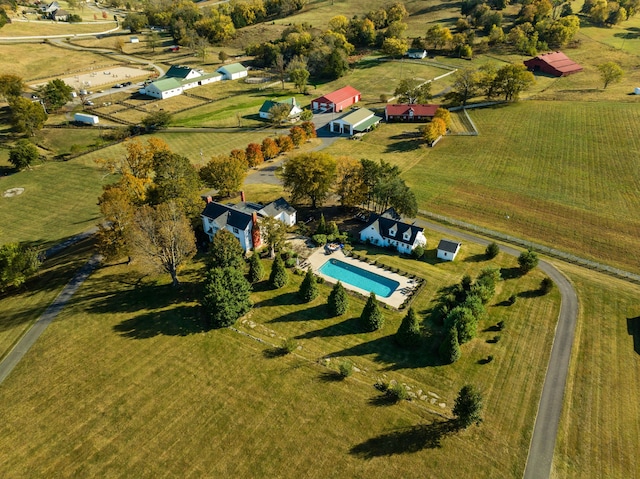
point(548, 180)
point(50, 209)
point(121, 362)
point(600, 428)
point(49, 27)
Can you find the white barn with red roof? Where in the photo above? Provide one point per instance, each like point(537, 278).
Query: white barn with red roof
point(336, 101)
point(554, 63)
point(411, 112)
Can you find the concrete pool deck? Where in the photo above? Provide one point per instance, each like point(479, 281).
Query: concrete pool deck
point(319, 257)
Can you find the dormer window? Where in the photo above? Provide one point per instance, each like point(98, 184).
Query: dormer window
point(406, 235)
point(393, 230)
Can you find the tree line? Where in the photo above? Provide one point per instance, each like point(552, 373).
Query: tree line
point(312, 177)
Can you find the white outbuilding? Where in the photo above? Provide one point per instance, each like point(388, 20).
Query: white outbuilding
point(448, 249)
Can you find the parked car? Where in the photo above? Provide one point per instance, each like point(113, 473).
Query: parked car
point(127, 83)
point(118, 85)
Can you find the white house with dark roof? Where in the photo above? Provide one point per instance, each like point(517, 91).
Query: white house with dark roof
point(448, 249)
point(356, 121)
point(294, 109)
point(233, 71)
point(387, 230)
point(243, 219)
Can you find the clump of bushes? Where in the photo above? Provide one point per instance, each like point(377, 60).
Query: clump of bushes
point(492, 250)
point(546, 285)
point(398, 392)
point(345, 368)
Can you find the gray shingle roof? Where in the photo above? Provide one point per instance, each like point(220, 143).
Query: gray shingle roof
point(449, 246)
point(385, 224)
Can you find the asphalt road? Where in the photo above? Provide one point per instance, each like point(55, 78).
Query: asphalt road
point(31, 336)
point(547, 422)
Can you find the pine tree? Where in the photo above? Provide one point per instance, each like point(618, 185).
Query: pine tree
point(468, 406)
point(226, 296)
point(371, 317)
point(256, 268)
point(450, 348)
point(309, 287)
point(322, 226)
point(409, 331)
point(279, 276)
point(338, 300)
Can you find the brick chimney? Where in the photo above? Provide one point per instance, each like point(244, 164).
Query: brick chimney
point(209, 199)
point(242, 197)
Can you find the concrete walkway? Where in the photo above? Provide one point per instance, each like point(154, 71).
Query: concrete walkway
point(31, 336)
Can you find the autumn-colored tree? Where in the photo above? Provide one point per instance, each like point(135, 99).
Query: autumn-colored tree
point(117, 211)
point(270, 148)
point(162, 238)
point(254, 154)
point(26, 116)
point(239, 155)
point(444, 115)
point(433, 130)
point(610, 72)
point(310, 129)
point(350, 184)
point(136, 167)
point(309, 176)
point(297, 135)
point(284, 143)
point(274, 232)
point(224, 174)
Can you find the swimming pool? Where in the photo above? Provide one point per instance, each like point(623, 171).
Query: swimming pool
point(360, 278)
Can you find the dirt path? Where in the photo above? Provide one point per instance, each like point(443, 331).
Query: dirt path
point(31, 336)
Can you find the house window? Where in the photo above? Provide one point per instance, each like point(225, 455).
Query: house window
point(235, 230)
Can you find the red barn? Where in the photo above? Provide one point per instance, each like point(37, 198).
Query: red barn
point(336, 101)
point(554, 63)
point(413, 112)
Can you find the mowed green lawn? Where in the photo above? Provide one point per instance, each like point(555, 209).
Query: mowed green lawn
point(562, 173)
point(59, 200)
point(127, 373)
point(600, 429)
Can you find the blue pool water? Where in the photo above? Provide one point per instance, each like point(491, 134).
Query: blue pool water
point(359, 277)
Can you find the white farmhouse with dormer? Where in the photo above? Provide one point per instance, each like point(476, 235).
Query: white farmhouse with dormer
point(387, 230)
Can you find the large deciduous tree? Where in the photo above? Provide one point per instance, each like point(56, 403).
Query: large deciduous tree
point(511, 80)
point(610, 72)
point(351, 187)
point(527, 261)
point(465, 85)
point(273, 232)
point(177, 180)
point(26, 116)
point(412, 90)
point(226, 296)
point(117, 211)
point(23, 154)
point(10, 86)
point(17, 264)
point(162, 238)
point(468, 407)
point(224, 174)
point(309, 176)
point(55, 94)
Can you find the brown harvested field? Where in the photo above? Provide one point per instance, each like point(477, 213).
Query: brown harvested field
point(33, 60)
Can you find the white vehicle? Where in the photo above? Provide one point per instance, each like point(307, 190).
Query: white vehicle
point(87, 119)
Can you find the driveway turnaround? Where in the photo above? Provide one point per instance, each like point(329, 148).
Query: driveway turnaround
point(31, 336)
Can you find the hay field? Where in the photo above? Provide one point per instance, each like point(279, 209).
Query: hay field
point(544, 179)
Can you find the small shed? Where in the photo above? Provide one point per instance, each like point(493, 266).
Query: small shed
point(448, 249)
point(134, 40)
point(233, 71)
point(636, 91)
point(554, 63)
